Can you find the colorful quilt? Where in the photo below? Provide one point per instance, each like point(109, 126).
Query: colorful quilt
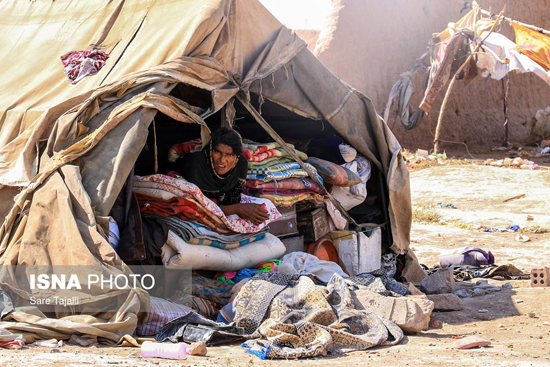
point(187, 190)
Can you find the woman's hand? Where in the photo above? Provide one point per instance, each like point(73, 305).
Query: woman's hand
point(256, 213)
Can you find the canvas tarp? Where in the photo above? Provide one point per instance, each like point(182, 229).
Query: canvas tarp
point(66, 150)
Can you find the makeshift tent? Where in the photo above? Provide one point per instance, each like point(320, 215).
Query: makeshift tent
point(66, 149)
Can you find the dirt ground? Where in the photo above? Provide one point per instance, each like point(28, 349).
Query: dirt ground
point(478, 193)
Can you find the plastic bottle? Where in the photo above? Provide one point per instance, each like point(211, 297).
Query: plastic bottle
point(164, 350)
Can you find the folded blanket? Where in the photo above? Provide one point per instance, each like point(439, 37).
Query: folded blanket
point(262, 191)
point(286, 184)
point(189, 191)
point(271, 161)
point(280, 172)
point(183, 208)
point(279, 200)
point(197, 234)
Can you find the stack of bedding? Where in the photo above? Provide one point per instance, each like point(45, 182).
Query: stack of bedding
point(273, 175)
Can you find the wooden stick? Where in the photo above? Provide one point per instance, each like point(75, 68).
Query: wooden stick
point(438, 127)
point(514, 198)
point(535, 28)
point(242, 98)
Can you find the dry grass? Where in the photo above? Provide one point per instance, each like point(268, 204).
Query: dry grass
point(425, 214)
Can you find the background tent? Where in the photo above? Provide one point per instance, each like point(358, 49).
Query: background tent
point(66, 150)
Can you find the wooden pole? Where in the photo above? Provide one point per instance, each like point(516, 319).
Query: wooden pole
point(535, 28)
point(242, 98)
point(442, 109)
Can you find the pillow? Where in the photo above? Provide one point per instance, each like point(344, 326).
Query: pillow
point(333, 174)
point(178, 254)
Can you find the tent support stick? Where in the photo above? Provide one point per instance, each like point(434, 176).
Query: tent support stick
point(438, 127)
point(442, 109)
point(505, 87)
point(291, 152)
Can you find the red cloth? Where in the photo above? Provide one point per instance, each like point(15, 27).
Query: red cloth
point(183, 208)
point(12, 344)
point(187, 147)
point(260, 156)
point(248, 154)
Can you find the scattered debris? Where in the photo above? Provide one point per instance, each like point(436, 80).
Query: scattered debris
point(522, 238)
point(514, 198)
point(471, 342)
point(51, 343)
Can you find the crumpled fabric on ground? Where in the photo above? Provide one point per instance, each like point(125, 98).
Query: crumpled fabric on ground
point(380, 283)
point(303, 320)
point(79, 64)
point(467, 272)
point(307, 264)
point(193, 327)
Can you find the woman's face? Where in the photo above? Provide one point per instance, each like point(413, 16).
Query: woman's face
point(223, 158)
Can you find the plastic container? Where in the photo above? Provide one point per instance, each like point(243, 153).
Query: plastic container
point(164, 350)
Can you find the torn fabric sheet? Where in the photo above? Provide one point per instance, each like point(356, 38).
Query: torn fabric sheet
point(79, 64)
point(499, 50)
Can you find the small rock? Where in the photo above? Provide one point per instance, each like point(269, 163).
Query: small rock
point(462, 293)
point(500, 325)
point(442, 281)
point(436, 324)
point(546, 323)
point(471, 342)
point(481, 281)
point(133, 355)
point(483, 311)
point(197, 349)
point(446, 302)
point(54, 350)
point(507, 286)
point(478, 292)
point(519, 301)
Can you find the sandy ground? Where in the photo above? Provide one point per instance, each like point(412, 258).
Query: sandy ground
point(478, 193)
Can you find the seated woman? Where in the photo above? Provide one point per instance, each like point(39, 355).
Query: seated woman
point(219, 170)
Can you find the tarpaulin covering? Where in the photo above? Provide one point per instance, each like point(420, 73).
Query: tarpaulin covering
point(67, 149)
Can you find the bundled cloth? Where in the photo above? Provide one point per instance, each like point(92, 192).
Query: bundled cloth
point(179, 150)
point(164, 196)
point(280, 172)
point(79, 64)
point(197, 234)
point(292, 317)
point(288, 186)
point(256, 152)
point(287, 200)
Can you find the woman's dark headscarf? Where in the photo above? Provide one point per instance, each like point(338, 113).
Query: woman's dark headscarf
point(229, 137)
point(197, 167)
